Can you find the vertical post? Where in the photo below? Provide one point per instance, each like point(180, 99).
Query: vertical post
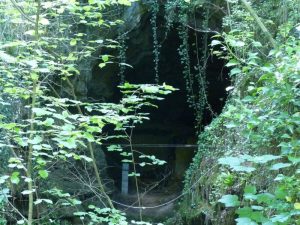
point(124, 187)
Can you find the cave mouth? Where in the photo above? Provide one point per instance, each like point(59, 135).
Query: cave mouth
point(170, 134)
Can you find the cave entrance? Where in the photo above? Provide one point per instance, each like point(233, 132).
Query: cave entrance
point(170, 134)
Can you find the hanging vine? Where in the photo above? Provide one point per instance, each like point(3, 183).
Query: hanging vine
point(122, 56)
point(195, 76)
point(156, 45)
point(170, 15)
point(183, 51)
point(201, 69)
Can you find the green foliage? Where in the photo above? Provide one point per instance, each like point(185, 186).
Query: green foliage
point(99, 215)
point(50, 131)
point(255, 139)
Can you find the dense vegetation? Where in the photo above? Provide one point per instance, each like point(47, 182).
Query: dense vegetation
point(248, 158)
point(246, 170)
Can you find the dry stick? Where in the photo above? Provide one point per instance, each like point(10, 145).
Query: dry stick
point(91, 149)
point(32, 117)
point(259, 22)
point(135, 176)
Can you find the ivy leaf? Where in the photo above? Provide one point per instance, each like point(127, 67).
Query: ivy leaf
point(230, 200)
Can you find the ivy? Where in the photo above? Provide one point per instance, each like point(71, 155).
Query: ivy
point(154, 9)
point(122, 57)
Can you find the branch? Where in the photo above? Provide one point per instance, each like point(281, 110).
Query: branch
point(259, 22)
point(22, 12)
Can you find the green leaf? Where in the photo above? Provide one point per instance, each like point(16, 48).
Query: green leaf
point(297, 205)
point(3, 179)
point(36, 140)
point(235, 71)
point(230, 200)
point(80, 213)
point(73, 42)
point(48, 122)
point(250, 189)
point(246, 169)
point(278, 166)
point(215, 42)
point(38, 201)
point(237, 43)
point(264, 158)
point(27, 192)
point(294, 160)
point(7, 58)
point(105, 58)
point(245, 221)
point(268, 223)
point(150, 89)
point(281, 218)
point(232, 62)
point(41, 112)
point(14, 178)
point(101, 65)
point(43, 174)
point(124, 2)
point(231, 161)
point(265, 198)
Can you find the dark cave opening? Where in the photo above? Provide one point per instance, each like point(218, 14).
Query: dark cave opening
point(173, 122)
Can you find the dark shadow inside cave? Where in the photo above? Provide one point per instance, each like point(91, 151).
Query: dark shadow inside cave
point(172, 124)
